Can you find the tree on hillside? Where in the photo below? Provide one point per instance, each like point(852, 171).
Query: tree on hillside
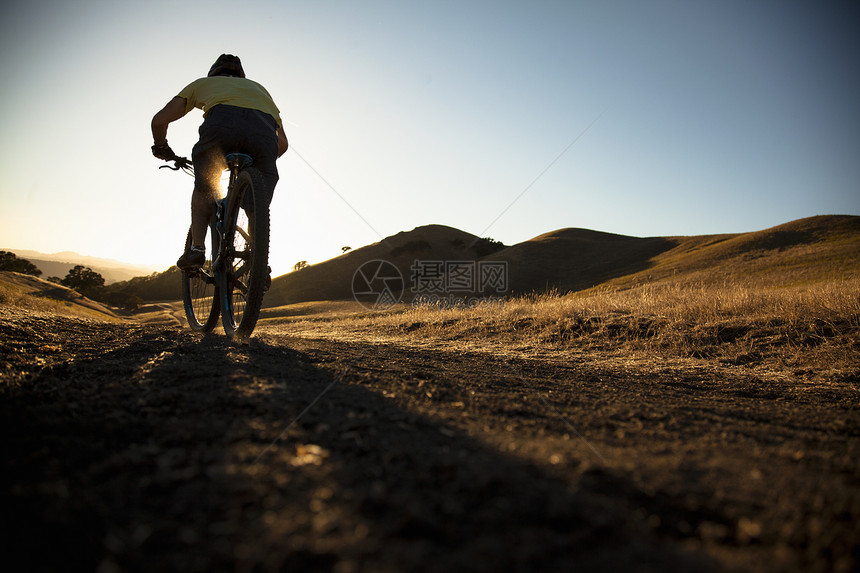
point(155, 287)
point(84, 280)
point(10, 262)
point(123, 300)
point(345, 249)
point(487, 246)
point(300, 265)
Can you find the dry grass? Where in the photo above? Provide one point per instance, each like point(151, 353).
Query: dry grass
point(813, 329)
point(13, 295)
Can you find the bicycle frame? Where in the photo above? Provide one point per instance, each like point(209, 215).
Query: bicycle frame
point(238, 271)
point(236, 162)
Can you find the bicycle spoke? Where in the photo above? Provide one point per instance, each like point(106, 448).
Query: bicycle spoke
point(241, 270)
point(239, 284)
point(200, 293)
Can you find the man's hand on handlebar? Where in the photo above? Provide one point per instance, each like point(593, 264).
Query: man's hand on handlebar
point(163, 151)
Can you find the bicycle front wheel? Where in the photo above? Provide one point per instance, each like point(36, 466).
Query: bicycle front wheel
point(200, 291)
point(245, 275)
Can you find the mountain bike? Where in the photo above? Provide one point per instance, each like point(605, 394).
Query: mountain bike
point(232, 283)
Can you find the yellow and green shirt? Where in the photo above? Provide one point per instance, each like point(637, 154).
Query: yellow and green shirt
point(206, 93)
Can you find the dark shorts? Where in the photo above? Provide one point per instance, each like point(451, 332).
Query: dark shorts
point(229, 129)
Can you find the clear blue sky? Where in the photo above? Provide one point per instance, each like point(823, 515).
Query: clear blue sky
point(711, 117)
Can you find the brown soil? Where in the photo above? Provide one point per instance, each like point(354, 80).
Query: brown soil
point(144, 447)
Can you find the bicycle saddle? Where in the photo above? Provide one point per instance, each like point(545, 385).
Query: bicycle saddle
point(239, 160)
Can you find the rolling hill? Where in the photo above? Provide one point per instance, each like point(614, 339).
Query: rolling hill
point(33, 293)
point(332, 279)
point(804, 251)
point(575, 259)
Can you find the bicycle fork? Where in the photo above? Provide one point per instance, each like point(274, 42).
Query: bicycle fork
point(220, 215)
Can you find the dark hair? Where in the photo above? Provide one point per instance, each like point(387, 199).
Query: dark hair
point(227, 65)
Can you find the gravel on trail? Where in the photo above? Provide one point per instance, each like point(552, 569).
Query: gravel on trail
point(142, 447)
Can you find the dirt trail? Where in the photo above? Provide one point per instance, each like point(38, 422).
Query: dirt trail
point(143, 446)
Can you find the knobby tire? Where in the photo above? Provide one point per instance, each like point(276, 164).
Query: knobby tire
point(244, 279)
point(200, 291)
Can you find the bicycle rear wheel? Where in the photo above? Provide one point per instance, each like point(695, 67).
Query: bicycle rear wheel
point(246, 267)
point(200, 291)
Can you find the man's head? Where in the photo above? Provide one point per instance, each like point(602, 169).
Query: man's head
point(227, 65)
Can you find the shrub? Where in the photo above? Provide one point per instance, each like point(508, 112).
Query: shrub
point(487, 246)
point(83, 279)
point(10, 262)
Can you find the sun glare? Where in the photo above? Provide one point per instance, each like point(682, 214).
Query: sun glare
point(224, 182)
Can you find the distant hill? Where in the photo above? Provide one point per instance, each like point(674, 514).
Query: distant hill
point(157, 287)
point(575, 259)
point(803, 251)
point(332, 279)
point(59, 264)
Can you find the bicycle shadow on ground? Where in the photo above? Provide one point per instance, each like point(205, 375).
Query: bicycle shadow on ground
point(187, 455)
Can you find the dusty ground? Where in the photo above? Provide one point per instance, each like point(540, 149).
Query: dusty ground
point(143, 447)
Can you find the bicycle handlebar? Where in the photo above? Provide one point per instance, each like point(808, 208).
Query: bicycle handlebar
point(182, 163)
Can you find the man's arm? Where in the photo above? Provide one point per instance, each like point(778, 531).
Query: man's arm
point(174, 110)
point(283, 144)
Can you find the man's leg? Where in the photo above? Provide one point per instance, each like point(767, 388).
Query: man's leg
point(202, 204)
point(209, 164)
point(208, 161)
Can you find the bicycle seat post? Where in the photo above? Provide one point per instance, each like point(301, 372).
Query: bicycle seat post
point(237, 162)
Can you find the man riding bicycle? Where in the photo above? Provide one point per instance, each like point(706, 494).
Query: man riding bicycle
point(239, 116)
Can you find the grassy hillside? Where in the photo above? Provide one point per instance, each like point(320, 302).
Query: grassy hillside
point(32, 293)
point(806, 251)
point(574, 259)
point(166, 286)
point(823, 248)
point(332, 279)
point(784, 300)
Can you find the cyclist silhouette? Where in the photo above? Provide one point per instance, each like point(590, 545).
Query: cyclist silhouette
point(239, 116)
